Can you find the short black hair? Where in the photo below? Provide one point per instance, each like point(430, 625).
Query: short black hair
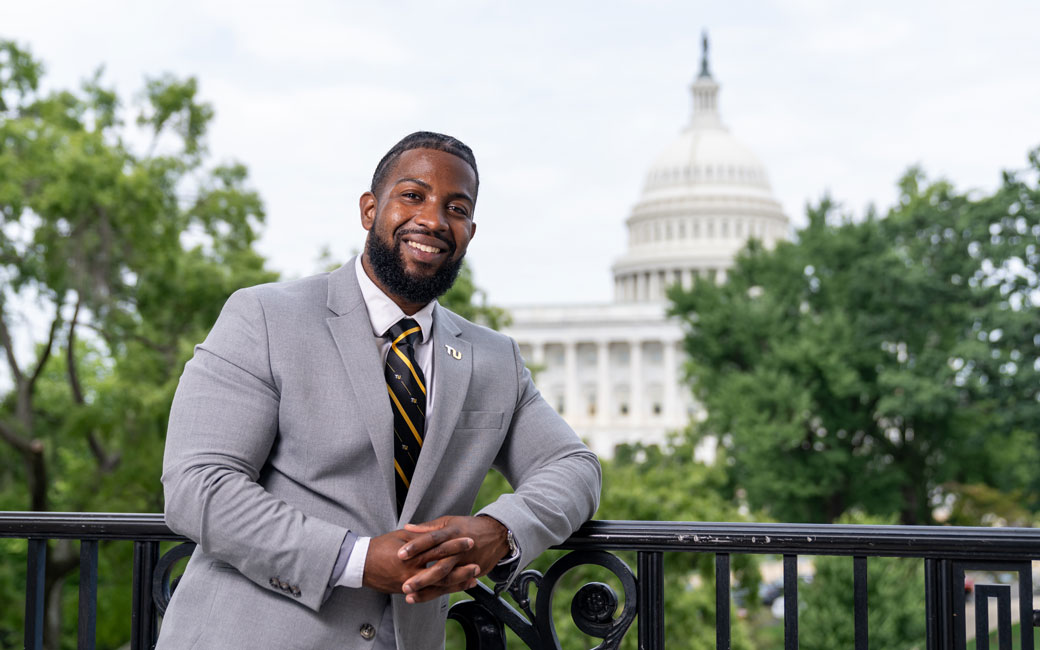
point(424, 140)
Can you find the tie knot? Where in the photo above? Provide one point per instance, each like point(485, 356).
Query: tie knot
point(405, 332)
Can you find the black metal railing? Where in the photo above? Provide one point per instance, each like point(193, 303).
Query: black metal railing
point(947, 553)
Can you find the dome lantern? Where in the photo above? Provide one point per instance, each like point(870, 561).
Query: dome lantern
point(705, 93)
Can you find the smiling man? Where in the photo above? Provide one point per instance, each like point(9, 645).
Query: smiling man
point(328, 439)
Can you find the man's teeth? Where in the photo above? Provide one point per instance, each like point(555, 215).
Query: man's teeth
point(423, 247)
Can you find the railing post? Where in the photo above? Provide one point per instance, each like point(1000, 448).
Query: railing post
point(650, 605)
point(35, 579)
point(88, 576)
point(722, 623)
point(144, 622)
point(790, 602)
point(938, 604)
point(859, 591)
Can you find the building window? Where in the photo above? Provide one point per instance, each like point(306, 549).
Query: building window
point(623, 408)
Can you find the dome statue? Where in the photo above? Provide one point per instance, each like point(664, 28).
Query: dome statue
point(705, 195)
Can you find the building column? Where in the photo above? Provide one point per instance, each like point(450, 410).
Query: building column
point(671, 382)
point(687, 278)
point(635, 406)
point(538, 354)
point(655, 285)
point(603, 382)
point(571, 394)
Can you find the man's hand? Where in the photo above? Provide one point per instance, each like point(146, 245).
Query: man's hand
point(436, 555)
point(488, 547)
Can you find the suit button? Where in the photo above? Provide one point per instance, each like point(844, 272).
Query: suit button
point(296, 591)
point(284, 586)
point(273, 582)
point(368, 632)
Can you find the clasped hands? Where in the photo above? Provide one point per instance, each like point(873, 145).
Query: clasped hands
point(425, 561)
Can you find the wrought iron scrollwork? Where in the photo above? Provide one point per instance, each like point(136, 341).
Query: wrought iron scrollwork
point(594, 607)
point(162, 586)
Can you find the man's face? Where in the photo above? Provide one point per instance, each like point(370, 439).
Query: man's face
point(419, 226)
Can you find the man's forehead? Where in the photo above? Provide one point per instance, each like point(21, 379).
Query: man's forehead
point(431, 159)
point(422, 165)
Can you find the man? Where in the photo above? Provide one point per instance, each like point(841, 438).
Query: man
point(328, 439)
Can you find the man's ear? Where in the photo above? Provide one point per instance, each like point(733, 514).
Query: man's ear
point(367, 204)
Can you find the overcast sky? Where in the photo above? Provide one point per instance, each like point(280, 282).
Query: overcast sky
point(565, 104)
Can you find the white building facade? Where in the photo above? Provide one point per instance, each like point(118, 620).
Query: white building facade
point(615, 371)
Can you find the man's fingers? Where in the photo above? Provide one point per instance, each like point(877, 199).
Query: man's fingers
point(459, 579)
point(429, 540)
point(443, 574)
point(427, 526)
point(429, 576)
point(422, 528)
point(449, 548)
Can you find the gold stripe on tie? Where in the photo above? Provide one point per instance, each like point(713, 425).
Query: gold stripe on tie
point(400, 409)
point(410, 366)
point(400, 473)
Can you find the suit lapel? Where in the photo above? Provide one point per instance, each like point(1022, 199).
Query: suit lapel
point(451, 377)
point(352, 332)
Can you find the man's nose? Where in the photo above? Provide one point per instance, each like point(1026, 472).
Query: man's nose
point(432, 216)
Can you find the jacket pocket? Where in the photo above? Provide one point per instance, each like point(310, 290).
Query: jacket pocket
point(479, 420)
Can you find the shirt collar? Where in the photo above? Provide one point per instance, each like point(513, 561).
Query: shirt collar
point(383, 312)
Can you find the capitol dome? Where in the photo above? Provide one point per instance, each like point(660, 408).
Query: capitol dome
point(704, 197)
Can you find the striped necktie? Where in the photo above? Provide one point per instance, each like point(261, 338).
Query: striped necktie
point(407, 388)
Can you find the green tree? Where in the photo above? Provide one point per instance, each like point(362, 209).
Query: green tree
point(870, 362)
point(468, 300)
point(126, 253)
point(895, 598)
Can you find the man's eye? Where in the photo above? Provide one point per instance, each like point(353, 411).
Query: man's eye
point(411, 195)
point(459, 209)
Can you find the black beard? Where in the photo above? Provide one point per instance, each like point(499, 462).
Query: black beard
point(388, 264)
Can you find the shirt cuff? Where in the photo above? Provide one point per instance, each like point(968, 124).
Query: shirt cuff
point(354, 569)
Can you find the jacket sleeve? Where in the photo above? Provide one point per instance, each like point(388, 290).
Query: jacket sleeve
point(223, 424)
point(555, 477)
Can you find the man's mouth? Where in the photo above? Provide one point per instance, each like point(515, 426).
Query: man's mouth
point(423, 247)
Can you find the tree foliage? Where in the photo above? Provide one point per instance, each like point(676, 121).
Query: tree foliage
point(895, 598)
point(124, 241)
point(870, 362)
point(468, 300)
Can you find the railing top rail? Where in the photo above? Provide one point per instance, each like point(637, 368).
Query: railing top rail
point(87, 525)
point(809, 539)
point(708, 537)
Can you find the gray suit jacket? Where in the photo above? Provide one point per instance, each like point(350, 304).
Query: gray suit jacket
point(280, 440)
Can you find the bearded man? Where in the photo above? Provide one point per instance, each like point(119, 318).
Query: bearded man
point(328, 439)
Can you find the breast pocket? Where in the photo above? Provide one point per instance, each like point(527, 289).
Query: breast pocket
point(479, 420)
